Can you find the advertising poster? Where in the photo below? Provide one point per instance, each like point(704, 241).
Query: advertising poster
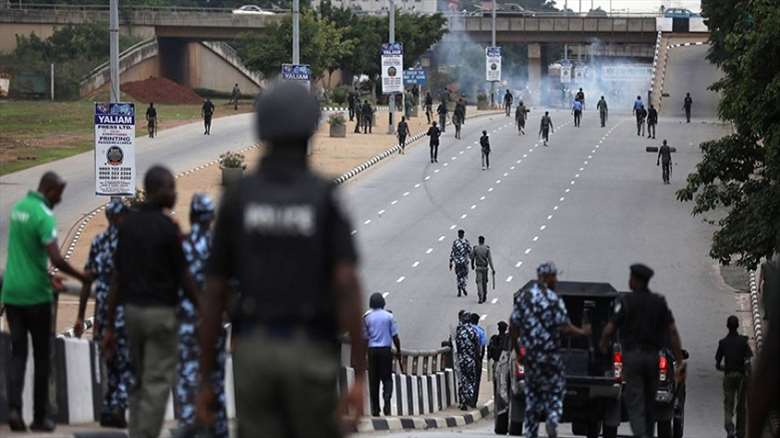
point(297, 72)
point(493, 64)
point(392, 68)
point(115, 149)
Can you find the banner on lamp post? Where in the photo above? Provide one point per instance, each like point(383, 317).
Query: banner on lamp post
point(493, 64)
point(297, 72)
point(115, 149)
point(392, 68)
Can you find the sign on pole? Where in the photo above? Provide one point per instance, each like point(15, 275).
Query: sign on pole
point(392, 68)
point(415, 77)
point(493, 64)
point(297, 72)
point(565, 73)
point(115, 149)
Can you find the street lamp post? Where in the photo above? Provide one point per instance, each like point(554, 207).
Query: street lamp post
point(391, 40)
point(113, 35)
point(493, 44)
point(296, 30)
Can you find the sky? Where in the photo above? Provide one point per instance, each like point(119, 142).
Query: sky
point(632, 5)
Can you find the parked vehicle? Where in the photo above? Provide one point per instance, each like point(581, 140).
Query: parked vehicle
point(252, 10)
point(670, 398)
point(678, 13)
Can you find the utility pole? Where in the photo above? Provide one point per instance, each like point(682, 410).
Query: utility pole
point(296, 30)
point(391, 40)
point(580, 6)
point(113, 34)
point(493, 44)
point(51, 83)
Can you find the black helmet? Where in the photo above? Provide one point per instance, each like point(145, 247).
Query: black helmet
point(286, 110)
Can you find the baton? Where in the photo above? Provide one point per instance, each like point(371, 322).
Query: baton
point(494, 280)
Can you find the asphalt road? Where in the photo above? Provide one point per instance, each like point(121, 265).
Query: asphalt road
point(179, 148)
point(688, 72)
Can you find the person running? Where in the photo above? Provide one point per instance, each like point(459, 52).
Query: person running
point(545, 127)
point(207, 111)
point(665, 158)
point(381, 333)
point(100, 267)
point(287, 317)
point(403, 132)
point(687, 103)
point(646, 326)
point(197, 247)
point(151, 120)
point(520, 115)
point(539, 319)
point(235, 95)
point(603, 111)
point(467, 347)
point(460, 256)
point(434, 133)
point(484, 142)
point(150, 272)
point(508, 98)
point(459, 117)
point(429, 106)
point(27, 296)
point(441, 110)
point(576, 109)
point(652, 121)
point(733, 357)
point(481, 260)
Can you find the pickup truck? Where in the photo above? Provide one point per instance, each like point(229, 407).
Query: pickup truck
point(594, 384)
point(594, 381)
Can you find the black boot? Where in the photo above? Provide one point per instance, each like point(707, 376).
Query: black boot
point(15, 421)
point(42, 425)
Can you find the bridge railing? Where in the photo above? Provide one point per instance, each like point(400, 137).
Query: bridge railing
point(104, 8)
point(559, 14)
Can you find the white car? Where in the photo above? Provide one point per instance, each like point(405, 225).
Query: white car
point(251, 10)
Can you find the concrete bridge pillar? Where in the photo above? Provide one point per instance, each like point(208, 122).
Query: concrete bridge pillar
point(535, 71)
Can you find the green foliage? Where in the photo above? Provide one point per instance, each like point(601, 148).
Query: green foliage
point(337, 120)
point(232, 160)
point(340, 94)
point(740, 173)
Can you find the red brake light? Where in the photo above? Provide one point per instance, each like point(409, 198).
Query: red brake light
point(662, 363)
point(617, 366)
point(617, 357)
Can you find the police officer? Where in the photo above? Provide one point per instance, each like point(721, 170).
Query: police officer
point(151, 119)
point(652, 121)
point(197, 247)
point(441, 110)
point(580, 97)
point(508, 102)
point(288, 316)
point(576, 110)
point(545, 127)
point(100, 266)
point(603, 111)
point(429, 106)
point(403, 132)
point(481, 259)
point(358, 116)
point(484, 143)
point(352, 103)
point(687, 103)
point(520, 115)
point(434, 133)
point(459, 116)
point(665, 158)
point(207, 111)
point(368, 117)
point(380, 330)
point(645, 323)
point(733, 358)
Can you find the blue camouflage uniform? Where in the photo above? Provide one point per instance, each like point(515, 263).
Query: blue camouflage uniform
point(539, 313)
point(197, 246)
point(100, 264)
point(460, 257)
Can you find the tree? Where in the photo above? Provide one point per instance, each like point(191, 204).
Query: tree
point(740, 173)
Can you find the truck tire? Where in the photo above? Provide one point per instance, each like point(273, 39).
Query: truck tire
point(594, 428)
point(610, 431)
point(515, 428)
point(501, 423)
point(665, 429)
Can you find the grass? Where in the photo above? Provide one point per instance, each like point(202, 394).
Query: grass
point(37, 132)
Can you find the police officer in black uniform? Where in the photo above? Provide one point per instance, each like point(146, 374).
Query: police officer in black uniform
point(282, 235)
point(645, 323)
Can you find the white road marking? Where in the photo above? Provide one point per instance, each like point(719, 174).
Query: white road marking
point(549, 217)
point(535, 238)
point(473, 206)
point(506, 174)
point(452, 227)
point(427, 178)
point(417, 186)
point(468, 147)
point(555, 208)
point(483, 317)
point(353, 232)
point(482, 198)
point(530, 150)
point(590, 156)
point(512, 168)
point(518, 264)
point(415, 264)
point(406, 194)
point(429, 250)
point(586, 162)
point(380, 212)
point(384, 295)
point(572, 182)
point(454, 158)
point(519, 161)
point(562, 198)
point(567, 190)
point(446, 164)
point(463, 216)
point(400, 279)
point(581, 169)
point(509, 279)
point(494, 301)
point(490, 189)
point(542, 227)
point(395, 201)
point(528, 251)
point(577, 175)
point(498, 181)
point(367, 221)
point(525, 155)
point(461, 152)
point(436, 171)
point(441, 238)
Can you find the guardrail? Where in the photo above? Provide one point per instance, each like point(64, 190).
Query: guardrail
point(102, 8)
point(560, 14)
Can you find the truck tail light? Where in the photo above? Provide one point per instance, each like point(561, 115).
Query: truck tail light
point(519, 367)
point(663, 368)
point(617, 365)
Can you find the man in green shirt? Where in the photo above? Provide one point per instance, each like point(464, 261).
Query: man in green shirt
point(27, 295)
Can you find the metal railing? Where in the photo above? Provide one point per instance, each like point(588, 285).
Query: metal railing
point(104, 8)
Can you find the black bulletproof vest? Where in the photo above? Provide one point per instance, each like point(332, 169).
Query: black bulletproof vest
point(285, 266)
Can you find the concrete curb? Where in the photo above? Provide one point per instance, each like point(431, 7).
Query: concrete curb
point(756, 311)
point(370, 424)
point(697, 43)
